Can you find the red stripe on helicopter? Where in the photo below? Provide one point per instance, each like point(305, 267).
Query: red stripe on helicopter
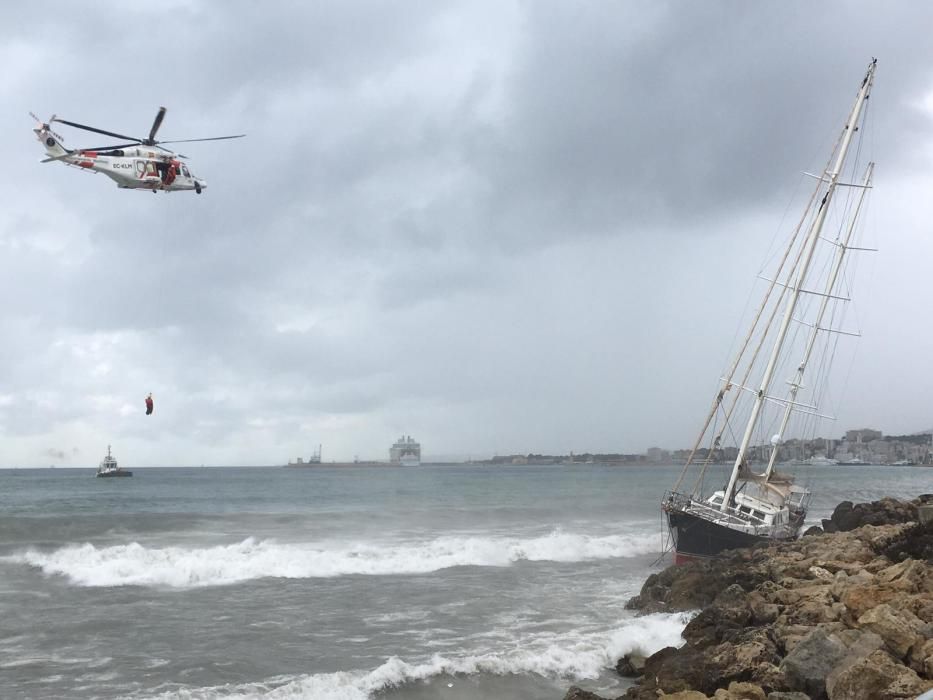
point(86, 164)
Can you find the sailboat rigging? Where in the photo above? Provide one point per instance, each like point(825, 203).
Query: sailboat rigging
point(767, 505)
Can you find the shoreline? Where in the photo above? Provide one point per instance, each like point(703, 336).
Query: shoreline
point(843, 613)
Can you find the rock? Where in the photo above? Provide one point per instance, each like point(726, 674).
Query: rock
point(576, 693)
point(695, 589)
point(741, 660)
point(811, 660)
point(769, 677)
point(840, 583)
point(842, 517)
point(716, 621)
point(920, 658)
point(887, 511)
point(672, 669)
point(910, 575)
point(900, 629)
point(764, 613)
point(876, 677)
point(818, 572)
point(631, 665)
point(860, 599)
point(859, 645)
point(915, 542)
point(740, 691)
point(812, 605)
point(845, 615)
point(813, 530)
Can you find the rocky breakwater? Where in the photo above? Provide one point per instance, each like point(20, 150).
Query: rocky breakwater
point(844, 613)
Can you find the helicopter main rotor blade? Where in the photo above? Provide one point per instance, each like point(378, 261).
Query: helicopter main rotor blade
point(213, 138)
point(104, 149)
point(155, 126)
point(97, 131)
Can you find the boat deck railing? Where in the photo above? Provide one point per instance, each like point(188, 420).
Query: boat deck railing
point(731, 517)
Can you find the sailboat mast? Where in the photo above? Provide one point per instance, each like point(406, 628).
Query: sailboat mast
point(824, 304)
point(810, 246)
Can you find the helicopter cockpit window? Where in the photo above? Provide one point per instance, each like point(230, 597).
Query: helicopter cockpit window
point(140, 168)
point(184, 170)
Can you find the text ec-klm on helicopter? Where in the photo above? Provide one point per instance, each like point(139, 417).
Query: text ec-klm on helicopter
point(139, 164)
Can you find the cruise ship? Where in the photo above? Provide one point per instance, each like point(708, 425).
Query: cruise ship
point(406, 452)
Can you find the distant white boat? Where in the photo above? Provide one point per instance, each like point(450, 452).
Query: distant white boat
point(820, 461)
point(109, 467)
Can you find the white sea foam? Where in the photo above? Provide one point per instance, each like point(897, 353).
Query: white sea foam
point(648, 634)
point(572, 658)
point(181, 567)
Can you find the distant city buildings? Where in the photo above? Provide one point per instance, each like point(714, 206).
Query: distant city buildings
point(862, 446)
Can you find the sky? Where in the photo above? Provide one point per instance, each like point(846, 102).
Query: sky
point(498, 227)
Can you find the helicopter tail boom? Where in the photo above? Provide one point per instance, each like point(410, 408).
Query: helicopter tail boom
point(51, 141)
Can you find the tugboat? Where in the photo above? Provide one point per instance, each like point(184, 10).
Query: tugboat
point(762, 506)
point(108, 467)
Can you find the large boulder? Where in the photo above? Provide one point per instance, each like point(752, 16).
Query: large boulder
point(921, 658)
point(900, 629)
point(811, 660)
point(729, 613)
point(673, 669)
point(876, 677)
point(859, 599)
point(631, 665)
point(915, 542)
point(740, 691)
point(887, 511)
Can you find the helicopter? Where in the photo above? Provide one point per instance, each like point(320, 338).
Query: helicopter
point(139, 164)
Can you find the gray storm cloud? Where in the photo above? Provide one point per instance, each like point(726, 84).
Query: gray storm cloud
point(496, 227)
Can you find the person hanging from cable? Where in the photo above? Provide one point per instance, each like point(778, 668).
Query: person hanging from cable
point(149, 404)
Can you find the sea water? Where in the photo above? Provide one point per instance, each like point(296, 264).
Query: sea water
point(454, 582)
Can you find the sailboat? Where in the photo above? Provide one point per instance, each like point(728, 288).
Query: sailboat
point(795, 333)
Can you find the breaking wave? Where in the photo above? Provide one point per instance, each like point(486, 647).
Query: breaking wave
point(183, 568)
point(582, 658)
